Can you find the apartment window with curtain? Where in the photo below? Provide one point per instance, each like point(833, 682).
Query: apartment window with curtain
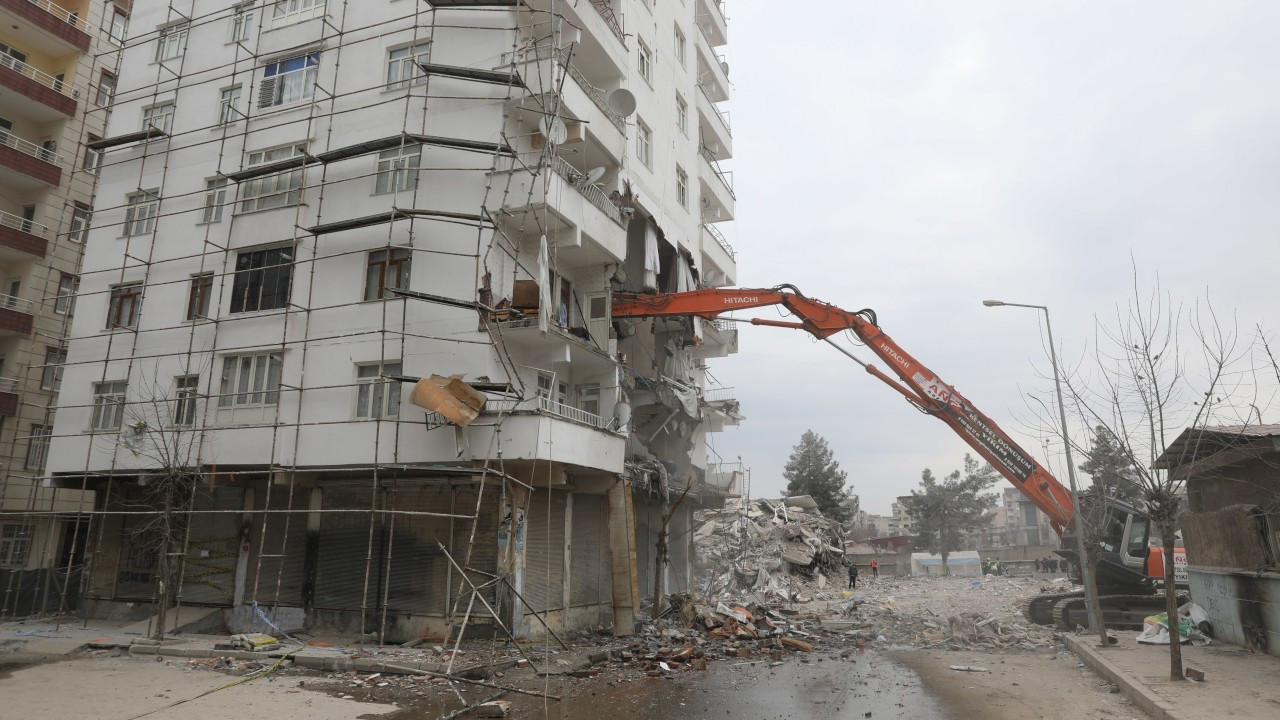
point(375, 396)
point(250, 380)
point(398, 169)
point(125, 306)
point(140, 212)
point(282, 189)
point(186, 393)
point(108, 405)
point(388, 269)
point(289, 81)
point(262, 279)
point(402, 64)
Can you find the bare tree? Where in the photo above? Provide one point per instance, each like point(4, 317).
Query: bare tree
point(1142, 387)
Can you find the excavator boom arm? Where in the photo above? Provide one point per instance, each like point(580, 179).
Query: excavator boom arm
point(916, 382)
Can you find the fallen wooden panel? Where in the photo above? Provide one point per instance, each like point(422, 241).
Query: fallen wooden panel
point(448, 396)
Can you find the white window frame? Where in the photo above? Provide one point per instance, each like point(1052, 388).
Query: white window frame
point(682, 187)
point(242, 21)
point(140, 212)
point(119, 27)
point(215, 200)
point(279, 87)
point(377, 397)
point(682, 44)
point(644, 61)
point(15, 545)
point(172, 42)
point(65, 301)
point(55, 358)
point(398, 170)
point(38, 447)
point(644, 143)
point(81, 218)
point(106, 90)
point(163, 112)
point(682, 115)
point(402, 64)
point(250, 380)
point(288, 12)
point(186, 396)
point(282, 189)
point(108, 405)
point(229, 105)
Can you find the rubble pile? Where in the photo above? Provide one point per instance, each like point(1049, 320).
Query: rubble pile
point(778, 549)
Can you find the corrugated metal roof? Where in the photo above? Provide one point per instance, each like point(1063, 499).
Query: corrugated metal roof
point(1197, 443)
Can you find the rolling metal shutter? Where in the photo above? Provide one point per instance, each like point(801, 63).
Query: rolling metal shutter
point(591, 582)
point(419, 573)
point(484, 555)
point(344, 549)
point(281, 547)
point(213, 545)
point(543, 586)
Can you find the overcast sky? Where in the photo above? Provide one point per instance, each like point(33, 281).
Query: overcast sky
point(919, 157)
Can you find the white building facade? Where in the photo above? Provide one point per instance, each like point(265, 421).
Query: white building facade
point(308, 205)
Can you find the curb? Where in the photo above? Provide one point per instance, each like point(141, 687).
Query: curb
point(329, 663)
point(1142, 696)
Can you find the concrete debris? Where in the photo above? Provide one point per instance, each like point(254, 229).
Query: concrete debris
point(776, 549)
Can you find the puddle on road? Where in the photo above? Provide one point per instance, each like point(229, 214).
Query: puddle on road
point(827, 688)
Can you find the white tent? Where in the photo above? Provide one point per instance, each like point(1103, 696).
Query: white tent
point(962, 563)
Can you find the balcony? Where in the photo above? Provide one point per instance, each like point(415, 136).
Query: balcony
point(49, 28)
point(719, 259)
point(16, 316)
point(719, 339)
point(541, 67)
point(541, 429)
point(559, 345)
point(26, 165)
point(35, 94)
point(718, 198)
point(22, 239)
point(713, 126)
point(722, 409)
point(713, 72)
point(586, 226)
point(8, 397)
point(712, 22)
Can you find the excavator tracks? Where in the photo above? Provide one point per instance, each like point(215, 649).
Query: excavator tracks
point(1119, 611)
point(1039, 608)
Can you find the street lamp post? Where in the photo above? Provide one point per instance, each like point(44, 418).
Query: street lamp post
point(1086, 570)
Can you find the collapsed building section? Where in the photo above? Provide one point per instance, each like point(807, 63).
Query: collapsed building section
point(343, 355)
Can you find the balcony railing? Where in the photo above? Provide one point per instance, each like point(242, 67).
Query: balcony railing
point(591, 192)
point(725, 177)
point(549, 406)
point(719, 394)
point(724, 116)
point(62, 14)
point(27, 226)
point(8, 385)
point(9, 302)
point(719, 238)
point(611, 17)
point(61, 87)
point(29, 148)
point(548, 52)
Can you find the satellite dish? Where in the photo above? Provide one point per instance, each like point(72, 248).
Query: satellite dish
point(725, 67)
point(555, 130)
point(622, 102)
point(621, 414)
point(593, 176)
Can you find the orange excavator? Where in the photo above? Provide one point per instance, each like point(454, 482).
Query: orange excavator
point(1130, 570)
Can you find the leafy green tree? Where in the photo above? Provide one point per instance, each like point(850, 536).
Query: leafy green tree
point(945, 511)
point(812, 470)
point(1111, 467)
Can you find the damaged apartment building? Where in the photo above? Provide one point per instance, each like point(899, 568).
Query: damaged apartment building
point(313, 218)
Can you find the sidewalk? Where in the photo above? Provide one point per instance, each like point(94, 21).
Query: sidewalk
point(1237, 683)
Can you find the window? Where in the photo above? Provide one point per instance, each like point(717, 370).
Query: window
point(250, 380)
point(544, 385)
point(644, 61)
point(273, 191)
point(242, 21)
point(140, 215)
point(126, 304)
point(215, 198)
point(198, 298)
point(682, 115)
point(92, 158)
point(119, 21)
point(108, 405)
point(262, 279)
point(186, 392)
point(172, 42)
point(80, 218)
point(398, 169)
point(680, 47)
point(288, 81)
point(38, 446)
point(589, 398)
point(66, 299)
point(229, 105)
point(402, 65)
point(387, 269)
point(51, 376)
point(288, 12)
point(682, 187)
point(106, 89)
point(375, 396)
point(14, 545)
point(159, 117)
point(644, 143)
